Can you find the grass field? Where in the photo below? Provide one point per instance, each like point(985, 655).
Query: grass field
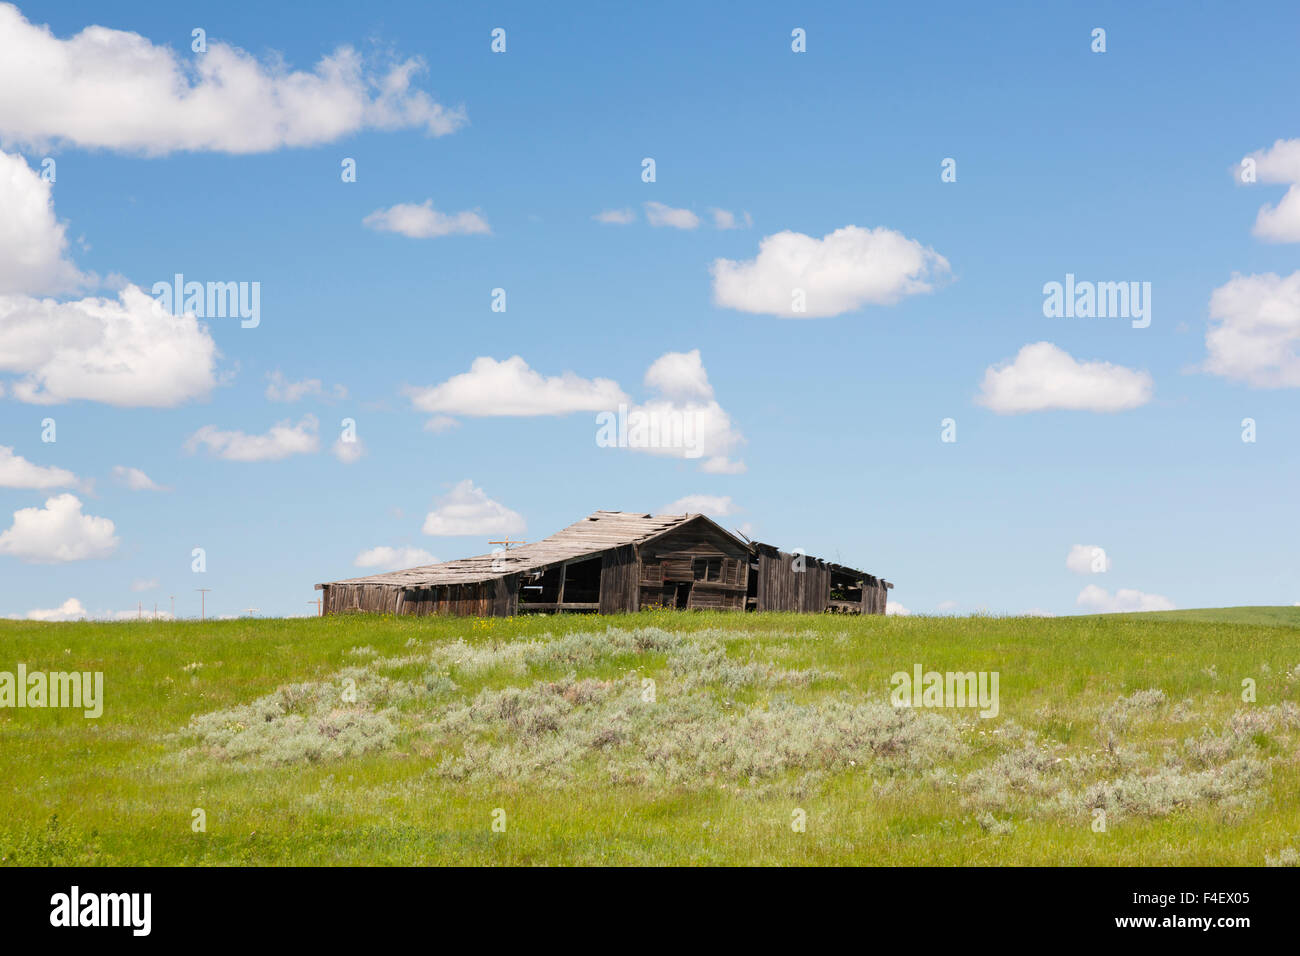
point(658, 738)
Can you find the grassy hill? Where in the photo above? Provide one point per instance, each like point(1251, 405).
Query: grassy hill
point(660, 737)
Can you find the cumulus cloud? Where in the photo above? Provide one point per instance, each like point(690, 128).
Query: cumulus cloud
point(280, 389)
point(1254, 331)
point(1087, 559)
point(33, 243)
point(73, 610)
point(127, 352)
point(615, 217)
point(717, 506)
point(135, 479)
point(682, 406)
point(424, 222)
point(390, 559)
point(1280, 223)
point(1280, 163)
point(510, 387)
point(113, 89)
point(894, 609)
point(17, 472)
point(657, 214)
point(283, 439)
point(683, 415)
point(1043, 377)
point(843, 271)
point(348, 452)
point(725, 219)
point(467, 510)
point(680, 375)
point(1125, 599)
point(69, 610)
point(58, 532)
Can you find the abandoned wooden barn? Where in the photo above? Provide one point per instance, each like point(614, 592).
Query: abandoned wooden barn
point(614, 561)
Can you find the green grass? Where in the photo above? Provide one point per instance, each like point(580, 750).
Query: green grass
point(754, 717)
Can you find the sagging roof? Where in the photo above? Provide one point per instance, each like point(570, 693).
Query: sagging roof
point(759, 547)
point(595, 533)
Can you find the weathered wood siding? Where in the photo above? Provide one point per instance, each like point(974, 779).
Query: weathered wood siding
point(670, 565)
point(373, 598)
point(783, 588)
point(620, 571)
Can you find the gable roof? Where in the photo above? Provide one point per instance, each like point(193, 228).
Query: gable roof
point(595, 533)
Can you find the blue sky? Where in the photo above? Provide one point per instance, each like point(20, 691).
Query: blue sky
point(1119, 166)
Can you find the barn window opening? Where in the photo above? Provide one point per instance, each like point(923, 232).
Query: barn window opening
point(540, 587)
point(707, 569)
point(846, 587)
point(582, 582)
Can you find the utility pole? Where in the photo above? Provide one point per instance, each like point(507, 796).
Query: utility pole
point(316, 602)
point(173, 597)
point(139, 610)
point(203, 608)
point(507, 543)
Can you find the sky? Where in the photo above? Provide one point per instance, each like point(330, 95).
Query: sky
point(835, 273)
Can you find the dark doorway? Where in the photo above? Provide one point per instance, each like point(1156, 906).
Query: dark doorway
point(683, 596)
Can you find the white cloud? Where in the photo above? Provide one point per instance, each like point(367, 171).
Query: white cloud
point(492, 388)
point(841, 272)
point(683, 404)
point(117, 90)
point(894, 609)
point(1280, 223)
point(1043, 377)
point(348, 452)
point(135, 479)
point(1036, 612)
point(948, 605)
point(425, 222)
point(281, 389)
point(615, 217)
point(1087, 559)
point(1254, 331)
point(467, 510)
point(33, 243)
point(284, 439)
point(722, 465)
point(17, 472)
point(1280, 163)
point(144, 584)
point(724, 219)
point(679, 375)
point(716, 506)
point(58, 532)
point(391, 559)
point(73, 610)
point(126, 352)
point(657, 214)
point(1125, 599)
point(684, 407)
point(69, 610)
